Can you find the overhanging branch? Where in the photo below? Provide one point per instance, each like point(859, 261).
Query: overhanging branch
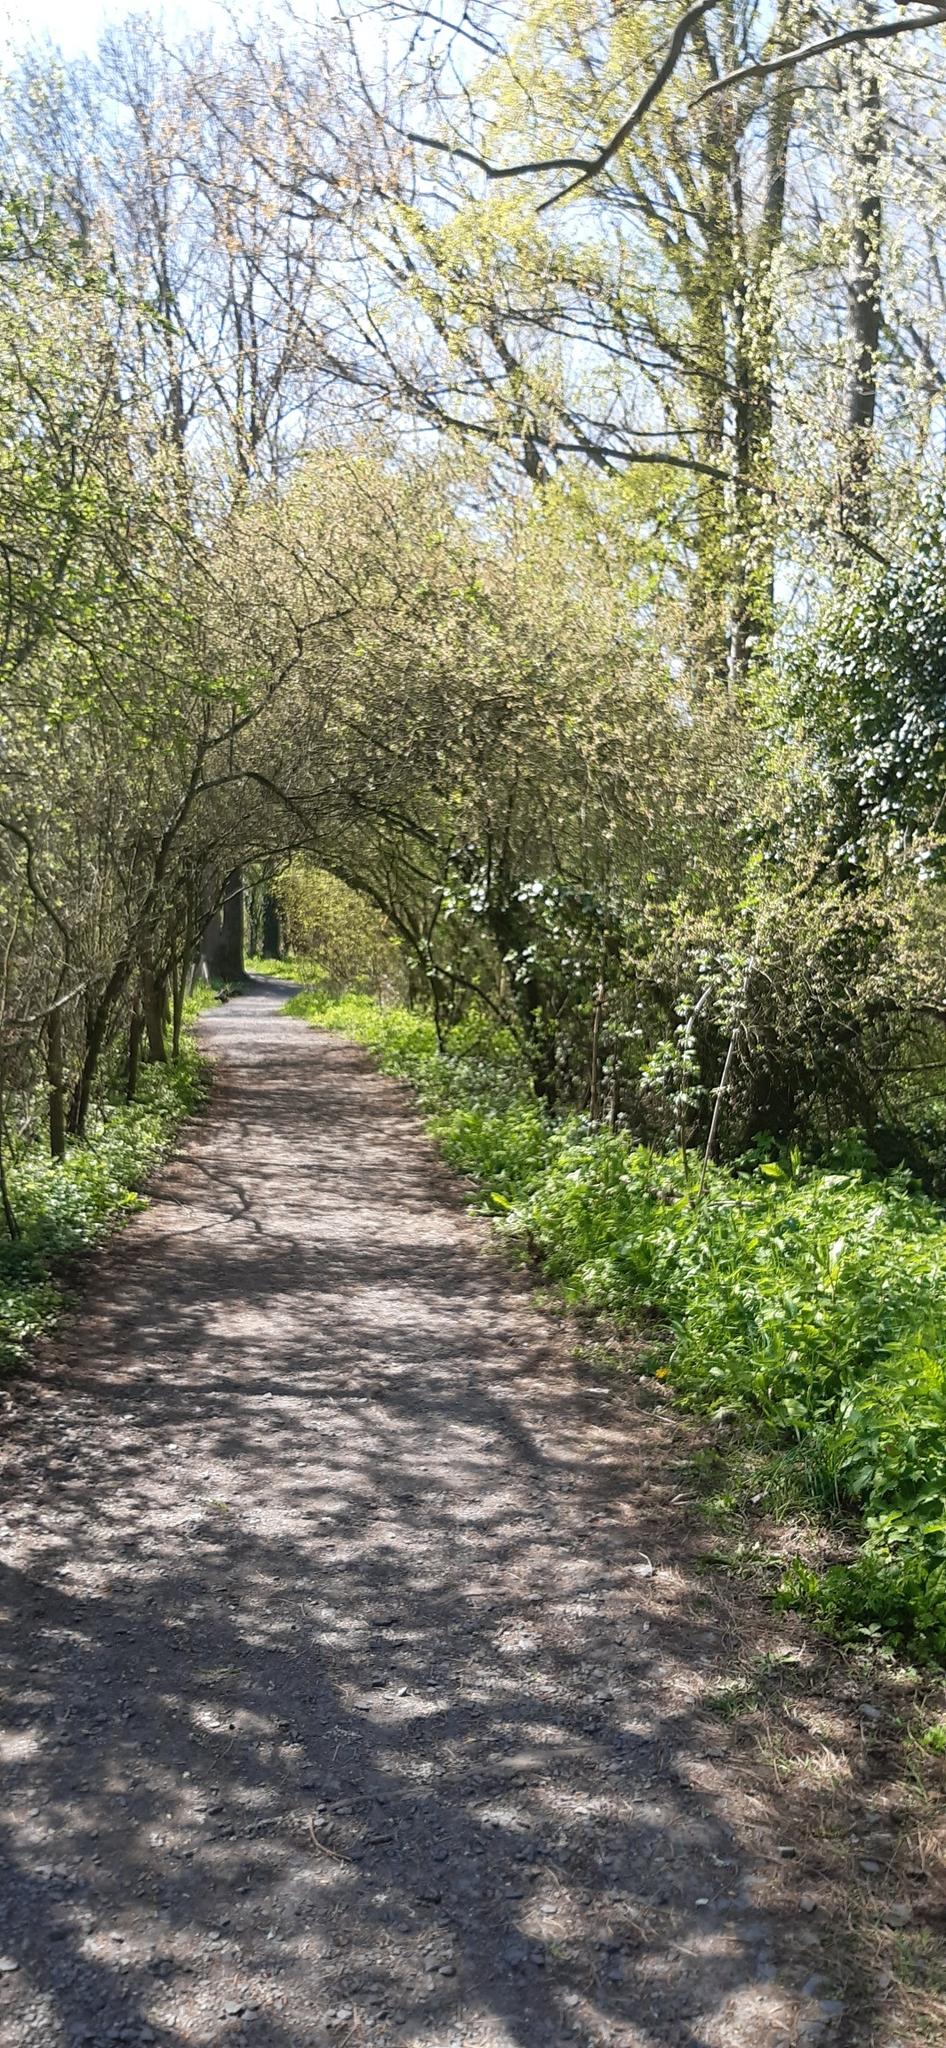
point(590, 167)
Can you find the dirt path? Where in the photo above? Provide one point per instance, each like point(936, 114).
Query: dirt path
point(343, 1707)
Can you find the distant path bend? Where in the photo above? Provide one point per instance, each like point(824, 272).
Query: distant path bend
point(340, 1706)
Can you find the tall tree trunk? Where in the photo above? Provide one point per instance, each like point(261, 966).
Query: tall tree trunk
point(272, 928)
point(178, 985)
point(754, 401)
point(136, 1029)
point(865, 312)
point(232, 926)
point(57, 1092)
point(222, 940)
point(9, 1213)
point(153, 1005)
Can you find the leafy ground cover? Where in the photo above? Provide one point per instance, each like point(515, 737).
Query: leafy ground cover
point(63, 1208)
point(289, 969)
point(807, 1303)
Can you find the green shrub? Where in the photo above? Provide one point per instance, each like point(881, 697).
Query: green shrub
point(64, 1207)
point(812, 1302)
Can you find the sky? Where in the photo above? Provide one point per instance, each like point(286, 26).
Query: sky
point(75, 25)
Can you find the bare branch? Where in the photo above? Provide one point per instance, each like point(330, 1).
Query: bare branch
point(867, 32)
point(587, 167)
point(651, 92)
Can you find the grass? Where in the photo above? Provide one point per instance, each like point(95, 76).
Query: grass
point(933, 1739)
point(65, 1207)
point(294, 968)
point(807, 1306)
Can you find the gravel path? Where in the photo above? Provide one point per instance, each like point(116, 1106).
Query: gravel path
point(342, 1704)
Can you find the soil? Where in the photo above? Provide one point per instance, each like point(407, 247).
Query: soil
point(365, 1683)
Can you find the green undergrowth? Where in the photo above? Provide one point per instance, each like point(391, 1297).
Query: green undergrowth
point(807, 1304)
point(294, 968)
point(64, 1208)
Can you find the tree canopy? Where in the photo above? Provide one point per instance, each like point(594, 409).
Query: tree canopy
point(565, 579)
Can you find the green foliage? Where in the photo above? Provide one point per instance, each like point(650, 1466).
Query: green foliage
point(811, 1302)
point(292, 968)
point(337, 935)
point(64, 1208)
point(870, 682)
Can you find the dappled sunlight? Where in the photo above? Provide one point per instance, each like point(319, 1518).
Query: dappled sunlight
point(339, 1707)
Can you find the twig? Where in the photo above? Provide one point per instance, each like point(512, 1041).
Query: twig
point(717, 1110)
point(721, 1090)
point(337, 1855)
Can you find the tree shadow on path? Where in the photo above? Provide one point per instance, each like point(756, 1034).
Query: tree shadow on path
point(340, 1704)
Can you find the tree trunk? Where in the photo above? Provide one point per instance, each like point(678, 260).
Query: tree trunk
point(222, 940)
point(272, 928)
point(153, 1004)
point(232, 926)
point(178, 984)
point(135, 1034)
point(9, 1214)
point(754, 404)
point(864, 300)
point(57, 1092)
point(97, 1022)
